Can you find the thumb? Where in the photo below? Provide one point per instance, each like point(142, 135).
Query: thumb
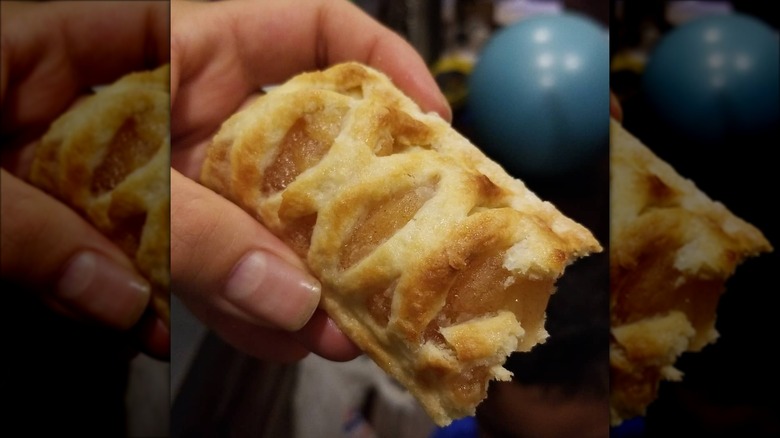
point(49, 248)
point(222, 256)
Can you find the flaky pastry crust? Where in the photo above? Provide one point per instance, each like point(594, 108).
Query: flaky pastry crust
point(672, 248)
point(432, 258)
point(108, 158)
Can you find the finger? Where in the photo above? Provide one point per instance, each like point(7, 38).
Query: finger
point(323, 337)
point(54, 51)
point(223, 256)
point(319, 336)
point(220, 53)
point(264, 343)
point(615, 109)
point(18, 153)
point(151, 336)
point(261, 342)
point(378, 47)
point(49, 248)
point(189, 160)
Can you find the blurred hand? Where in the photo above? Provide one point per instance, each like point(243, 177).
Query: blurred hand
point(51, 54)
point(227, 268)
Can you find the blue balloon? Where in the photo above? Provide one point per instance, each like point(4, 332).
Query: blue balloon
point(539, 94)
point(716, 78)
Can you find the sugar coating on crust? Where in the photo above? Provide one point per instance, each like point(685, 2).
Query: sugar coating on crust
point(433, 259)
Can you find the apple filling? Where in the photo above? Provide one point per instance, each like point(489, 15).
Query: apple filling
point(304, 145)
point(382, 221)
point(131, 147)
point(654, 287)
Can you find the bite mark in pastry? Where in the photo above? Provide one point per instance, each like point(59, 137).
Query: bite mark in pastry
point(432, 259)
point(108, 158)
point(672, 248)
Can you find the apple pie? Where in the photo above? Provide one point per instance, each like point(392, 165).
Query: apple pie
point(432, 259)
point(108, 158)
point(672, 249)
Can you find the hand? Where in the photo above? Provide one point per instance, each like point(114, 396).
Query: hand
point(52, 53)
point(229, 270)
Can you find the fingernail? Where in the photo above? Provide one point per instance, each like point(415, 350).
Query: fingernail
point(272, 290)
point(96, 286)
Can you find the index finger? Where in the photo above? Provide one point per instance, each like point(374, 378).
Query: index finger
point(54, 51)
point(222, 52)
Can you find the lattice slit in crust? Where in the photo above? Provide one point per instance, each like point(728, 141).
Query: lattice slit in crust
point(484, 287)
point(478, 288)
point(379, 303)
point(305, 144)
point(382, 221)
point(658, 194)
point(129, 149)
point(298, 233)
point(127, 228)
point(644, 291)
point(355, 92)
point(400, 132)
point(491, 196)
point(349, 82)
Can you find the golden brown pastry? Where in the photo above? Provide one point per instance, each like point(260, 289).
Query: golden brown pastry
point(671, 250)
point(432, 258)
point(108, 158)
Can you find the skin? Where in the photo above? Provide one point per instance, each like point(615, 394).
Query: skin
point(221, 54)
point(49, 59)
point(615, 109)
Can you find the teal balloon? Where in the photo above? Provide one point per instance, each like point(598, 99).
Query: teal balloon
point(539, 95)
point(716, 78)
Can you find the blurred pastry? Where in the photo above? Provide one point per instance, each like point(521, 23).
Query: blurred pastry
point(672, 249)
point(108, 158)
